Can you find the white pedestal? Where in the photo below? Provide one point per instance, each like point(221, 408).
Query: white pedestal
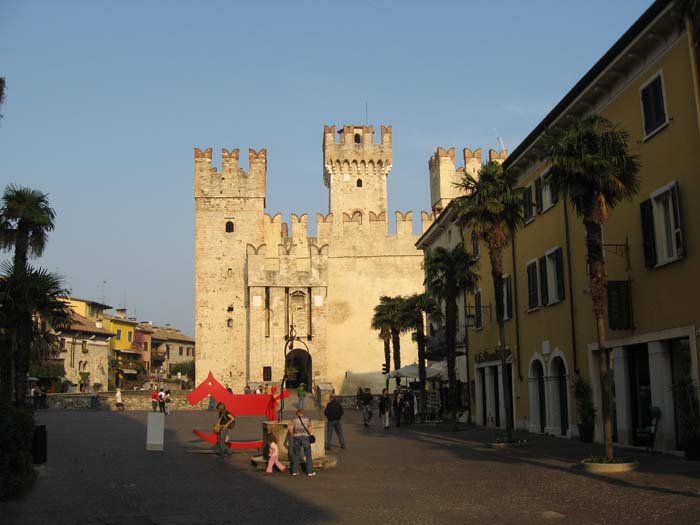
point(155, 431)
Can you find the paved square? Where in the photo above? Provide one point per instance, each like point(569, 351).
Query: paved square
point(100, 472)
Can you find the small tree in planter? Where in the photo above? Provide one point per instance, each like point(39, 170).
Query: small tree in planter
point(583, 393)
point(685, 393)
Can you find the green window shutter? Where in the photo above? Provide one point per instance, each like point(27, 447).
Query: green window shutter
point(544, 292)
point(532, 296)
point(559, 265)
point(619, 305)
point(538, 194)
point(648, 236)
point(478, 320)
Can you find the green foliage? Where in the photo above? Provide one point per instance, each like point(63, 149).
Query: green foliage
point(492, 201)
point(583, 394)
point(591, 165)
point(186, 369)
point(97, 386)
point(47, 370)
point(16, 470)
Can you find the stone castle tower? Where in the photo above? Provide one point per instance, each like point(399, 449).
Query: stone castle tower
point(258, 281)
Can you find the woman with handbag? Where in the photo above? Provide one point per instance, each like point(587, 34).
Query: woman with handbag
point(301, 431)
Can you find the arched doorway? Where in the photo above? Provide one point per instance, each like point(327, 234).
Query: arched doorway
point(538, 405)
point(298, 367)
point(560, 398)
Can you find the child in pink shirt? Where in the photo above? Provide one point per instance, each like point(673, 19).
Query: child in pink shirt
point(274, 456)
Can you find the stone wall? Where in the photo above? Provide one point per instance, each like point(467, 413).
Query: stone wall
point(133, 400)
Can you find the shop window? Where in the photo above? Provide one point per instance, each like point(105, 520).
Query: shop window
point(653, 106)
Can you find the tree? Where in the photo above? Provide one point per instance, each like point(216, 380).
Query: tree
point(40, 293)
point(492, 207)
point(592, 168)
point(25, 220)
point(382, 323)
point(391, 311)
point(415, 306)
point(449, 273)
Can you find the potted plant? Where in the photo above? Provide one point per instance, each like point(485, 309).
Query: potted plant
point(583, 394)
point(685, 394)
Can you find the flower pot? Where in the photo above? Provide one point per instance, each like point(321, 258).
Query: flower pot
point(585, 432)
point(692, 449)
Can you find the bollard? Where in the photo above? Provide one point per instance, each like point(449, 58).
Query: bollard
point(39, 445)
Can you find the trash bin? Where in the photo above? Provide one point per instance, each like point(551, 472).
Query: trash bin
point(39, 445)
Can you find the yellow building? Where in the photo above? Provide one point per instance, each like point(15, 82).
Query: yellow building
point(127, 348)
point(647, 83)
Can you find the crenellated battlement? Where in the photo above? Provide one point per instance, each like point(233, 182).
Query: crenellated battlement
point(472, 161)
point(498, 156)
point(232, 180)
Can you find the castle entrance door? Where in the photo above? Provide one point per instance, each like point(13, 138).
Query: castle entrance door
point(299, 369)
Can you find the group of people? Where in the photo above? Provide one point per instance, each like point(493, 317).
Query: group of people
point(160, 400)
point(38, 397)
point(402, 406)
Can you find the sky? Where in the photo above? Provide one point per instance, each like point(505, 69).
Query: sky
point(106, 100)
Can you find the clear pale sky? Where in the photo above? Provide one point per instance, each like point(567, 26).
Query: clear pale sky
point(106, 100)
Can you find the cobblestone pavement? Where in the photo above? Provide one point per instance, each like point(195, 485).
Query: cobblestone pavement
point(99, 472)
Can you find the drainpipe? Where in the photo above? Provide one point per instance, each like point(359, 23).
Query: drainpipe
point(571, 285)
point(516, 311)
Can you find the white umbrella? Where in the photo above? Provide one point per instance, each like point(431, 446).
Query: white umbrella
point(412, 372)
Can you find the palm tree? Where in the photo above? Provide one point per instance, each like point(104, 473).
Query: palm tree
point(416, 306)
point(381, 322)
point(25, 220)
point(449, 273)
point(390, 315)
point(492, 207)
point(39, 292)
point(592, 168)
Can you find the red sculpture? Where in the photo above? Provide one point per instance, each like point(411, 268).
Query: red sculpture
point(238, 405)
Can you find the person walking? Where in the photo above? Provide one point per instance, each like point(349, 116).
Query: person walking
point(367, 406)
point(161, 401)
point(225, 421)
point(274, 460)
point(119, 401)
point(301, 394)
point(385, 407)
point(154, 400)
point(398, 407)
point(167, 402)
point(333, 413)
point(300, 430)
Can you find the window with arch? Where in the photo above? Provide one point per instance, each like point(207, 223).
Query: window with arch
point(358, 138)
point(359, 183)
point(229, 226)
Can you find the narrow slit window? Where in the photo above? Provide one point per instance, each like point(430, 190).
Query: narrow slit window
point(358, 138)
point(359, 183)
point(229, 226)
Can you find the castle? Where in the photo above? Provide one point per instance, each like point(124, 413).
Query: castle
point(257, 279)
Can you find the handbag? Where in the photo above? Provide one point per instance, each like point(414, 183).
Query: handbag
point(312, 438)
